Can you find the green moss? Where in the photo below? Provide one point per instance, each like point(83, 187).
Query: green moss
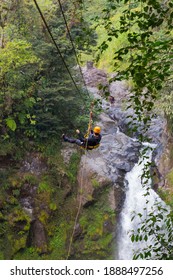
point(97, 242)
point(12, 200)
point(73, 167)
point(56, 208)
point(167, 196)
point(3, 228)
point(170, 178)
point(58, 242)
point(98, 249)
point(30, 178)
point(93, 224)
point(19, 243)
point(53, 206)
point(15, 181)
point(95, 183)
point(43, 217)
point(1, 216)
point(7, 147)
point(1, 256)
point(52, 151)
point(28, 254)
point(16, 192)
point(105, 241)
point(4, 182)
point(43, 186)
point(63, 228)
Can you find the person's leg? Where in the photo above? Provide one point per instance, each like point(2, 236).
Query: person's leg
point(72, 140)
point(79, 142)
point(67, 139)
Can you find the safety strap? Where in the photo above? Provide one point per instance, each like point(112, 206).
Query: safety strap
point(90, 147)
point(93, 147)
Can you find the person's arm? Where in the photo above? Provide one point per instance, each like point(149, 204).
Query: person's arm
point(80, 135)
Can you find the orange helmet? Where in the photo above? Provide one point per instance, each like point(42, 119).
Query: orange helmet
point(97, 129)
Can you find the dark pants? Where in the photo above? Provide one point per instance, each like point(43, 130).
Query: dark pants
point(73, 140)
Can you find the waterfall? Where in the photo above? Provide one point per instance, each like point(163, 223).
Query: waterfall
point(135, 202)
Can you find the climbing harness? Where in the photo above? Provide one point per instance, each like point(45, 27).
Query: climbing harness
point(93, 147)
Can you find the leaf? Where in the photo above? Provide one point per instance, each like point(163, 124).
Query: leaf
point(145, 237)
point(133, 238)
point(21, 118)
point(11, 124)
point(137, 238)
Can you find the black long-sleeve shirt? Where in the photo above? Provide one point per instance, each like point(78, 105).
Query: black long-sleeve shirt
point(92, 139)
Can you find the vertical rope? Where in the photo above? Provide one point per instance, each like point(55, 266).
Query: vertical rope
point(81, 186)
point(79, 208)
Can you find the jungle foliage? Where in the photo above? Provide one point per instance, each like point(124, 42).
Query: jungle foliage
point(39, 101)
point(146, 56)
point(38, 98)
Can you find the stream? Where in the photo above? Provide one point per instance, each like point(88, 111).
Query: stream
point(138, 203)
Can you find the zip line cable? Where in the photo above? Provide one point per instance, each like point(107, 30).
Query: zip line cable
point(59, 52)
point(73, 46)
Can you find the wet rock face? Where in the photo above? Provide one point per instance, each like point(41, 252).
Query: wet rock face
point(108, 165)
point(31, 170)
point(38, 237)
point(32, 167)
point(33, 164)
point(117, 153)
point(93, 76)
point(27, 195)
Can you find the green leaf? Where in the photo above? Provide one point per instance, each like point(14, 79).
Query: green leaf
point(145, 237)
point(11, 124)
point(133, 238)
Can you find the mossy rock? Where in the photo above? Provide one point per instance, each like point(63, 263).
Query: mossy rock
point(95, 183)
point(58, 242)
point(19, 243)
point(73, 167)
point(3, 228)
point(15, 181)
point(19, 220)
point(96, 240)
point(27, 254)
point(166, 193)
point(1, 256)
point(170, 178)
point(30, 178)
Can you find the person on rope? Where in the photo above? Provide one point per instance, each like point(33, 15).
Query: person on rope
point(92, 141)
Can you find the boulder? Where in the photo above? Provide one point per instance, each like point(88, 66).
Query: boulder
point(38, 237)
point(93, 76)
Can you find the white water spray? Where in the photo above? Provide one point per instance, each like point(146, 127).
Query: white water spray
point(135, 202)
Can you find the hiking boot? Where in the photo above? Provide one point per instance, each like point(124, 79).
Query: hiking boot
point(64, 137)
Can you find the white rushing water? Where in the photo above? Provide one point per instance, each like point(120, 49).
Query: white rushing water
point(135, 201)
